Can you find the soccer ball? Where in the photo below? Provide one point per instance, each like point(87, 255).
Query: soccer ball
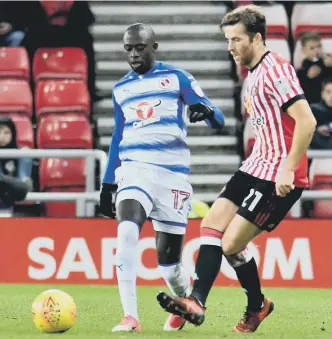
point(53, 311)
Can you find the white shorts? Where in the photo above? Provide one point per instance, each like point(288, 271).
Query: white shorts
point(164, 195)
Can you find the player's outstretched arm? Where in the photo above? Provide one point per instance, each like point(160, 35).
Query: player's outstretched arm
point(113, 159)
point(109, 186)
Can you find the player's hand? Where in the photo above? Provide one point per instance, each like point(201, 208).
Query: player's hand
point(5, 27)
point(200, 112)
point(284, 183)
point(313, 71)
point(323, 130)
point(106, 203)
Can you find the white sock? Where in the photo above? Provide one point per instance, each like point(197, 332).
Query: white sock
point(128, 234)
point(177, 279)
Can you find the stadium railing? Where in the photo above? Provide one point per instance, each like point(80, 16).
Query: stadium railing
point(82, 199)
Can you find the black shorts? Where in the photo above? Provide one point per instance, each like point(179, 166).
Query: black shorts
point(258, 201)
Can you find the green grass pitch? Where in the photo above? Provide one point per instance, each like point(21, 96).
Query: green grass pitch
point(299, 314)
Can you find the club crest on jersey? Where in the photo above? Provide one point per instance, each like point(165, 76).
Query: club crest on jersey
point(146, 113)
point(165, 83)
point(254, 91)
point(248, 105)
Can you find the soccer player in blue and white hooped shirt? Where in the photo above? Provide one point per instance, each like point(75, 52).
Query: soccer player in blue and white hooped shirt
point(149, 163)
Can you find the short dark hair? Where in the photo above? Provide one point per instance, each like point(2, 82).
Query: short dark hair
point(251, 16)
point(309, 36)
point(326, 82)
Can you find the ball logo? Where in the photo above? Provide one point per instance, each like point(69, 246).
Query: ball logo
point(165, 83)
point(144, 110)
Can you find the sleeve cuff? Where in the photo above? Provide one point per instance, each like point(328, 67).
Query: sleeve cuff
point(292, 101)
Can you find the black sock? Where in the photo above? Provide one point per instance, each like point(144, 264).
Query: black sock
point(249, 280)
point(207, 268)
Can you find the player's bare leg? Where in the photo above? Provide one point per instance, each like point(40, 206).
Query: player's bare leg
point(213, 225)
point(238, 234)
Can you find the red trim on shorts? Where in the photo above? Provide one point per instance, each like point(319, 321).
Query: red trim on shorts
point(211, 232)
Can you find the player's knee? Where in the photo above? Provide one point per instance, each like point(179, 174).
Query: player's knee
point(131, 209)
point(229, 246)
point(240, 258)
point(128, 234)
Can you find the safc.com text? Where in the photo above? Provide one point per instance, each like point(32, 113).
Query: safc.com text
point(83, 251)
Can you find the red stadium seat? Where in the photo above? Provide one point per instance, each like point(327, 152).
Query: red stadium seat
point(277, 21)
point(14, 63)
point(322, 208)
point(238, 3)
point(298, 56)
point(61, 209)
point(62, 175)
point(60, 63)
point(64, 131)
point(310, 17)
point(320, 177)
point(279, 46)
point(15, 97)
point(320, 171)
point(61, 96)
point(24, 130)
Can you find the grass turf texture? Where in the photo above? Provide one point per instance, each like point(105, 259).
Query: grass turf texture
point(299, 313)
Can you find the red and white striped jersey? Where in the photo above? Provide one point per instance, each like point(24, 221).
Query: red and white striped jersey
point(271, 87)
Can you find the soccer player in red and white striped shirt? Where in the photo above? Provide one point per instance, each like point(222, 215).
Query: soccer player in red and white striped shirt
point(270, 180)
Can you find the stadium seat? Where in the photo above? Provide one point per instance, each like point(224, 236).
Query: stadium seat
point(14, 63)
point(15, 97)
point(62, 175)
point(312, 17)
point(60, 63)
point(238, 3)
point(298, 56)
point(64, 131)
point(61, 96)
point(277, 21)
point(24, 130)
point(248, 138)
point(320, 171)
point(320, 177)
point(279, 46)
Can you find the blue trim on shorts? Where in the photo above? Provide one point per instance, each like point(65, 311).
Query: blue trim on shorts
point(134, 222)
point(168, 265)
point(135, 188)
point(171, 223)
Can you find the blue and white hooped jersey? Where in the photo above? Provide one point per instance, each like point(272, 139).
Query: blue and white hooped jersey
point(150, 121)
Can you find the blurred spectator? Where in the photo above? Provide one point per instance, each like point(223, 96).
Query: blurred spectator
point(18, 168)
point(11, 24)
point(323, 113)
point(62, 24)
point(315, 67)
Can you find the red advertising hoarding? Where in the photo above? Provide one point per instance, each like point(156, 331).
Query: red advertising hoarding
point(83, 251)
